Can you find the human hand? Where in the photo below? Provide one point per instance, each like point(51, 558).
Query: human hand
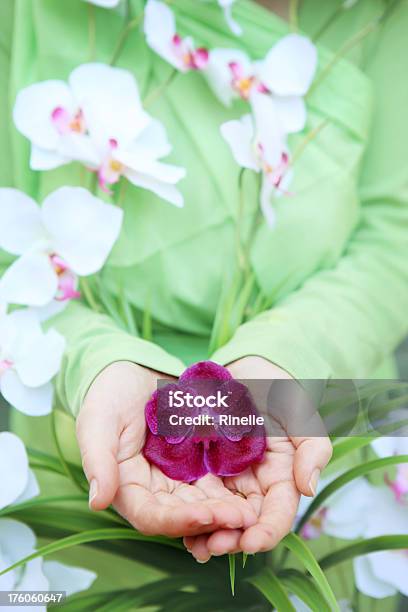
point(291, 466)
point(111, 431)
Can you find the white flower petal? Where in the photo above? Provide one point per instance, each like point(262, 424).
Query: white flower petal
point(67, 578)
point(50, 310)
point(292, 113)
point(20, 221)
point(166, 173)
point(105, 3)
point(163, 190)
point(391, 566)
point(81, 148)
point(42, 361)
point(44, 159)
point(16, 539)
point(239, 136)
point(269, 133)
point(33, 578)
point(347, 510)
point(7, 581)
point(33, 108)
point(13, 469)
point(367, 582)
point(152, 142)
point(290, 66)
point(83, 228)
point(30, 280)
point(160, 28)
point(32, 489)
point(218, 72)
point(233, 25)
point(109, 98)
point(32, 402)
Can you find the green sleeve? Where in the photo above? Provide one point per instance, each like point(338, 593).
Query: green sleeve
point(93, 342)
point(344, 321)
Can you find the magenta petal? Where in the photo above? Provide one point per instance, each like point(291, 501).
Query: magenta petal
point(183, 461)
point(226, 458)
point(151, 413)
point(205, 370)
point(158, 412)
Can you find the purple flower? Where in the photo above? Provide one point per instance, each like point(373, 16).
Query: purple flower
point(204, 422)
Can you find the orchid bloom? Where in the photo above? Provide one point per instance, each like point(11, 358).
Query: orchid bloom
point(387, 446)
point(18, 541)
point(284, 76)
point(162, 37)
point(97, 119)
point(188, 452)
point(233, 25)
point(105, 3)
point(18, 482)
point(29, 359)
point(268, 155)
point(71, 235)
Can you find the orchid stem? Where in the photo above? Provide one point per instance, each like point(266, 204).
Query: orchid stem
point(88, 294)
point(131, 25)
point(293, 14)
point(238, 226)
point(91, 32)
point(156, 93)
point(307, 139)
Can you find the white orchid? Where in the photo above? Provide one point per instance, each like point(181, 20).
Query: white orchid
point(284, 76)
point(105, 3)
point(29, 359)
point(70, 235)
point(162, 37)
point(266, 153)
point(18, 482)
point(18, 541)
point(97, 119)
point(233, 25)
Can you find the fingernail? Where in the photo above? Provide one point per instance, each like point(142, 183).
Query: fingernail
point(207, 521)
point(93, 491)
point(233, 526)
point(200, 561)
point(314, 481)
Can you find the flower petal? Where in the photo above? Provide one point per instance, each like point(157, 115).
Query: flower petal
point(105, 3)
point(32, 489)
point(162, 190)
point(239, 136)
point(63, 577)
point(110, 101)
point(367, 582)
point(83, 228)
point(226, 458)
point(233, 25)
point(152, 142)
point(266, 199)
point(218, 72)
point(33, 108)
point(160, 29)
point(33, 578)
point(269, 135)
point(290, 66)
point(30, 280)
point(42, 361)
point(292, 113)
point(20, 222)
point(44, 159)
point(178, 461)
point(13, 469)
point(32, 402)
point(205, 370)
point(391, 566)
point(16, 539)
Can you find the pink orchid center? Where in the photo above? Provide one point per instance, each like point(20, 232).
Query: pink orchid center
point(66, 122)
point(5, 364)
point(191, 58)
point(314, 527)
point(111, 169)
point(275, 173)
point(67, 280)
point(399, 485)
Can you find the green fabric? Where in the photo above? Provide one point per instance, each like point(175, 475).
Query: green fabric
point(336, 261)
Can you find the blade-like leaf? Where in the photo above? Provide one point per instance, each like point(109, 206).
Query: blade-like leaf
point(298, 547)
point(272, 589)
point(301, 586)
point(390, 542)
point(356, 472)
point(231, 563)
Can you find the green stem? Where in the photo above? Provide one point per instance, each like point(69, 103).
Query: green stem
point(64, 464)
point(306, 140)
point(91, 32)
point(293, 14)
point(156, 93)
point(238, 225)
point(88, 294)
point(130, 25)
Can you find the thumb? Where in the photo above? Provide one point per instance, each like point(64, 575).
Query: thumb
point(311, 456)
point(98, 439)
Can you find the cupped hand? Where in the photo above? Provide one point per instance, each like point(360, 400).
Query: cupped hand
point(111, 432)
point(291, 466)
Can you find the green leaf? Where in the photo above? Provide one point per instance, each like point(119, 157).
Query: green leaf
point(231, 563)
point(92, 536)
point(356, 472)
point(272, 589)
point(70, 473)
point(298, 547)
point(301, 586)
point(389, 542)
point(41, 501)
point(244, 559)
